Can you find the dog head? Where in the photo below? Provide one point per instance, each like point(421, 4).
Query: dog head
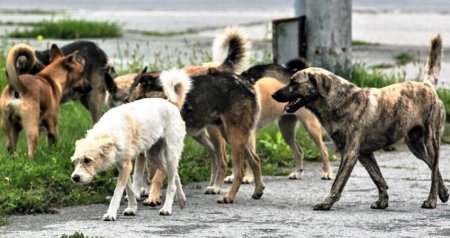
point(304, 87)
point(92, 155)
point(118, 89)
point(172, 85)
point(146, 85)
point(72, 65)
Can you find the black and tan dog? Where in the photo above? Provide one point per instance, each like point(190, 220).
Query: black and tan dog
point(23, 59)
point(231, 50)
point(32, 101)
point(363, 120)
point(222, 100)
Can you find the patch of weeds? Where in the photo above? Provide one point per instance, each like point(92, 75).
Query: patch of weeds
point(164, 33)
point(78, 235)
point(70, 29)
point(362, 43)
point(32, 11)
point(382, 66)
point(365, 77)
point(444, 95)
point(403, 58)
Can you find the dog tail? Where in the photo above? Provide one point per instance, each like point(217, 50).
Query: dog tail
point(231, 49)
point(434, 60)
point(20, 60)
point(176, 84)
point(297, 64)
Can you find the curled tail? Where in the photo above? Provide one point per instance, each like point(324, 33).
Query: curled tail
point(176, 84)
point(231, 50)
point(20, 60)
point(434, 60)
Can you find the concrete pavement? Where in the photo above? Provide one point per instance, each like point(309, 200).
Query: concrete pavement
point(285, 209)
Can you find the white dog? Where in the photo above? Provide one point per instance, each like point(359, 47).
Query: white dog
point(153, 126)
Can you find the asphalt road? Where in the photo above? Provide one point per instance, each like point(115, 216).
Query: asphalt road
point(285, 209)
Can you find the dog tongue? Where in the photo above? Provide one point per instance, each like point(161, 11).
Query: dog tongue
point(286, 107)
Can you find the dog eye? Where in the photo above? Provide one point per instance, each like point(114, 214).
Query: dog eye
point(87, 160)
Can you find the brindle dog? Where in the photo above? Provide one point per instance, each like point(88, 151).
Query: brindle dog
point(217, 99)
point(363, 120)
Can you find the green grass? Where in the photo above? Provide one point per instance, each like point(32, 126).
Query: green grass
point(362, 43)
point(70, 29)
point(404, 58)
point(32, 11)
point(364, 77)
point(164, 33)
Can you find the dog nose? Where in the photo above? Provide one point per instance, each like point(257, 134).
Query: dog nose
point(76, 178)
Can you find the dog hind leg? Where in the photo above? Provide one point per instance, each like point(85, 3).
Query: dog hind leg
point(287, 126)
point(255, 164)
point(314, 129)
point(132, 203)
point(428, 151)
point(371, 165)
point(172, 155)
point(156, 154)
point(138, 175)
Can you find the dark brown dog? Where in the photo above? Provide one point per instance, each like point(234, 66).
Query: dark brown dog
point(363, 120)
point(32, 101)
point(22, 59)
point(222, 100)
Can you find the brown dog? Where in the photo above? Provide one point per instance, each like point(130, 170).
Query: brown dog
point(23, 59)
point(363, 120)
point(32, 101)
point(231, 52)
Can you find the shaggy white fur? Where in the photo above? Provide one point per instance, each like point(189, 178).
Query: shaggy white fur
point(150, 125)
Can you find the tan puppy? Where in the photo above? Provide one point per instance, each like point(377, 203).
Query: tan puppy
point(32, 101)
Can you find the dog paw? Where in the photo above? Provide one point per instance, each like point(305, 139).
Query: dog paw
point(109, 217)
point(247, 180)
point(164, 212)
point(429, 204)
point(129, 212)
point(229, 179)
point(212, 190)
point(327, 175)
point(151, 202)
point(322, 207)
point(443, 195)
point(257, 195)
point(380, 204)
point(224, 200)
point(182, 202)
point(296, 175)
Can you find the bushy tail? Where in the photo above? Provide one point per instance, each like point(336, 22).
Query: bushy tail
point(176, 84)
point(231, 50)
point(20, 60)
point(434, 60)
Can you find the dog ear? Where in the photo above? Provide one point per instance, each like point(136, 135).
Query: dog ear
point(73, 59)
point(321, 81)
point(144, 70)
point(55, 53)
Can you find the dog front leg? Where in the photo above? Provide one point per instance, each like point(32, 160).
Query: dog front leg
point(349, 158)
point(124, 174)
point(371, 165)
point(138, 175)
point(132, 203)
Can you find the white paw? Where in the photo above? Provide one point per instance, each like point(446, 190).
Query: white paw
point(109, 217)
point(130, 211)
point(165, 211)
point(229, 179)
point(248, 179)
point(327, 175)
point(212, 190)
point(182, 202)
point(296, 175)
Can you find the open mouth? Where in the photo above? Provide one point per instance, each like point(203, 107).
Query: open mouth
point(294, 105)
